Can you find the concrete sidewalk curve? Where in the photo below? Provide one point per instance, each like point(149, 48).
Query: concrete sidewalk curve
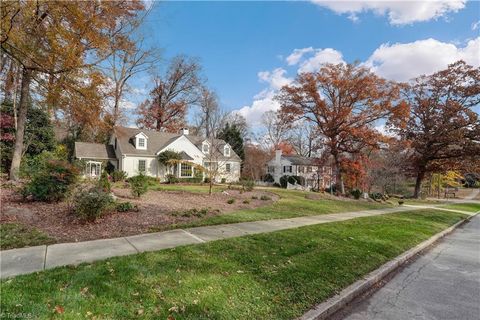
point(27, 260)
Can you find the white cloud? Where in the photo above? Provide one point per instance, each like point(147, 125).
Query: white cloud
point(276, 78)
point(399, 61)
point(398, 12)
point(321, 57)
point(475, 25)
point(297, 54)
point(254, 112)
point(404, 61)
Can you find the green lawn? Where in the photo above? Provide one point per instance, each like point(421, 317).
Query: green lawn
point(291, 204)
point(278, 275)
point(470, 207)
point(13, 235)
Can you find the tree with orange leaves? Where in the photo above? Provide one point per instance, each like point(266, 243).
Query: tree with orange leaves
point(343, 101)
point(173, 93)
point(53, 39)
point(441, 127)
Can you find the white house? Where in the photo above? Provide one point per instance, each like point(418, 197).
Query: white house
point(136, 150)
point(310, 169)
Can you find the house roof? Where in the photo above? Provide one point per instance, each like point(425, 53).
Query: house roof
point(159, 140)
point(94, 151)
point(299, 160)
point(216, 145)
point(185, 156)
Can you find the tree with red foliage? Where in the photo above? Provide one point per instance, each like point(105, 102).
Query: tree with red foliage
point(442, 126)
point(343, 101)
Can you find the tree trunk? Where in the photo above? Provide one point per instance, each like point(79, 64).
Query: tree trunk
point(418, 182)
point(22, 118)
point(339, 174)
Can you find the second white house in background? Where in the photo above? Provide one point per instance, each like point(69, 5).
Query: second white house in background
point(136, 150)
point(314, 173)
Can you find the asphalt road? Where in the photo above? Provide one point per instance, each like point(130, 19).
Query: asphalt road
point(442, 284)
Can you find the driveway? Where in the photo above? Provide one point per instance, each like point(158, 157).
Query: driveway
point(442, 284)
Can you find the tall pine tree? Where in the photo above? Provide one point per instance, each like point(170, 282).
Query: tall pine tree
point(232, 135)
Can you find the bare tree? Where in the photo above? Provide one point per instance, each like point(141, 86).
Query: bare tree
point(305, 139)
point(210, 114)
point(172, 94)
point(275, 130)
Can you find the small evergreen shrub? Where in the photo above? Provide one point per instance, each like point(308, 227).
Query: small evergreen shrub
point(247, 185)
point(231, 201)
point(207, 180)
point(246, 201)
point(400, 202)
point(265, 198)
point(104, 182)
point(254, 197)
point(268, 178)
point(125, 207)
point(192, 213)
point(92, 204)
point(118, 175)
point(172, 179)
point(139, 185)
point(356, 193)
point(223, 180)
point(53, 182)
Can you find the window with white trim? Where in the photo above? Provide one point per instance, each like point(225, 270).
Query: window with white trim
point(228, 167)
point(142, 165)
point(271, 169)
point(141, 142)
point(287, 169)
point(94, 169)
point(186, 170)
point(206, 148)
point(226, 151)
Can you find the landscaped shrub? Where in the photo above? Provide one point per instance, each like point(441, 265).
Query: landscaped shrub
point(400, 202)
point(206, 180)
point(92, 204)
point(231, 201)
point(356, 193)
point(171, 178)
point(247, 185)
point(125, 207)
point(223, 180)
point(268, 178)
point(104, 182)
point(139, 185)
point(192, 213)
point(265, 198)
point(254, 197)
point(53, 182)
point(118, 175)
point(246, 201)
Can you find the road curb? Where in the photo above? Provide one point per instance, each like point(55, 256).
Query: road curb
point(329, 307)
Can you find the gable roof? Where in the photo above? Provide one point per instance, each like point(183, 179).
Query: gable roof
point(298, 160)
point(160, 140)
point(94, 151)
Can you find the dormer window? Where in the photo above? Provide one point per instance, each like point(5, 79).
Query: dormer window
point(141, 141)
point(205, 148)
point(226, 151)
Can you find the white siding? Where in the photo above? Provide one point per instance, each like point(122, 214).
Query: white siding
point(183, 144)
point(130, 165)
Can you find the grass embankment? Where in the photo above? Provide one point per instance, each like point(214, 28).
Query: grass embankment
point(290, 205)
point(13, 235)
point(469, 207)
point(277, 275)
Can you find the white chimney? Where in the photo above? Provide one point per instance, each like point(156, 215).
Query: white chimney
point(278, 155)
point(184, 131)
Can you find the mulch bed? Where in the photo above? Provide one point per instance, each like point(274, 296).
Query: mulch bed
point(157, 209)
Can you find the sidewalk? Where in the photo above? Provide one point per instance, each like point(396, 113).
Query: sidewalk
point(442, 284)
point(27, 260)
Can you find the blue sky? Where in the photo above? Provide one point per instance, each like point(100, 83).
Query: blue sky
point(235, 41)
